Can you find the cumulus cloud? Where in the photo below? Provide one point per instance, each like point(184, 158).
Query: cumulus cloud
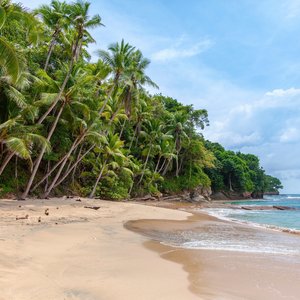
point(283, 93)
point(180, 50)
point(268, 127)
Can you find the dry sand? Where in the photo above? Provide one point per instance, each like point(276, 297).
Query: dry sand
point(87, 255)
point(80, 253)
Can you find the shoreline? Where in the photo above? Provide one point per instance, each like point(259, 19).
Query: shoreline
point(81, 253)
point(223, 274)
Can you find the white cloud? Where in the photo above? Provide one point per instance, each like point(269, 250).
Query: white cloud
point(283, 93)
point(291, 134)
point(179, 50)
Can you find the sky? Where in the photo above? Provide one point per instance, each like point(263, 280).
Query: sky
point(239, 59)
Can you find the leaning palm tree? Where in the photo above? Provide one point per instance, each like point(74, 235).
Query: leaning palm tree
point(56, 17)
point(81, 23)
point(153, 133)
point(111, 151)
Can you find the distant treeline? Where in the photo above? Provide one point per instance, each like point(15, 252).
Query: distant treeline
point(68, 125)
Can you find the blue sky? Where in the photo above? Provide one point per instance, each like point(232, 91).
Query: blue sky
point(239, 59)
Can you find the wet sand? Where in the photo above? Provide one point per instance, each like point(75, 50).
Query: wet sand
point(218, 274)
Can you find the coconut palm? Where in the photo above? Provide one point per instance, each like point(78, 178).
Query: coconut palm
point(135, 80)
point(178, 130)
point(81, 22)
point(111, 151)
point(56, 17)
point(118, 58)
point(153, 133)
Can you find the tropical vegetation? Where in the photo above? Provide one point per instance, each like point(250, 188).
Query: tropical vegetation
point(76, 125)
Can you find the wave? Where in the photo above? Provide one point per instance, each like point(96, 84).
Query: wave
point(212, 245)
point(223, 214)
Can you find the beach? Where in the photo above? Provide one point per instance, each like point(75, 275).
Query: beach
point(93, 249)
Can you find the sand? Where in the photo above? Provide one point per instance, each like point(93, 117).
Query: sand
point(81, 253)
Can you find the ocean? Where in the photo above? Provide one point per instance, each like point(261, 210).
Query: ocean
point(254, 231)
point(277, 219)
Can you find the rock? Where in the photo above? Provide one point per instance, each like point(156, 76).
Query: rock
point(201, 194)
point(219, 196)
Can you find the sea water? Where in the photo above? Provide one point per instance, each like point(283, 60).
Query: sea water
point(230, 236)
point(267, 232)
point(253, 231)
point(281, 219)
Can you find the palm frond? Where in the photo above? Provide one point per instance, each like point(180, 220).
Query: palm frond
point(2, 16)
point(9, 59)
point(38, 140)
point(17, 97)
point(18, 146)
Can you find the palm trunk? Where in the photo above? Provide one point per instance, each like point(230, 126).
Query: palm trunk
point(63, 164)
point(47, 180)
point(145, 165)
point(177, 165)
point(180, 165)
point(135, 132)
point(6, 161)
point(74, 166)
point(63, 86)
point(98, 179)
point(106, 100)
point(162, 166)
point(39, 158)
point(166, 168)
point(40, 121)
point(122, 129)
point(46, 176)
point(74, 170)
point(230, 184)
point(156, 168)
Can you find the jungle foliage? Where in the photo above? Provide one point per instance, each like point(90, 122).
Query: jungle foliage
point(72, 125)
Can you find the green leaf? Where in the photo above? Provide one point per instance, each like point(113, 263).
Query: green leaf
point(9, 60)
point(16, 97)
point(2, 16)
point(18, 146)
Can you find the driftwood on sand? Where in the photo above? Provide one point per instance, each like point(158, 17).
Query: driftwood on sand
point(22, 218)
point(92, 207)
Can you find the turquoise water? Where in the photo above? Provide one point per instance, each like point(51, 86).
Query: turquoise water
point(234, 236)
point(280, 218)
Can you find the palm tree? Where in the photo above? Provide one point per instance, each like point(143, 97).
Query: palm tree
point(118, 58)
point(56, 17)
point(135, 79)
point(112, 150)
point(153, 133)
point(81, 22)
point(178, 130)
